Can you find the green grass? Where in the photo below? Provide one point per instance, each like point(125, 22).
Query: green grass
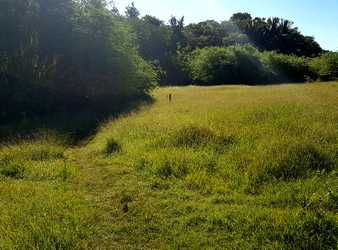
point(231, 167)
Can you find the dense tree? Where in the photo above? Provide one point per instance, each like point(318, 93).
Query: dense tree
point(204, 34)
point(65, 55)
point(276, 34)
point(168, 46)
point(132, 12)
point(160, 44)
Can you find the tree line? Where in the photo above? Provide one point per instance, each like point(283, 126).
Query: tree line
point(243, 49)
point(70, 54)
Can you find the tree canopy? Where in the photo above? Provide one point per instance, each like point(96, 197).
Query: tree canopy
point(66, 54)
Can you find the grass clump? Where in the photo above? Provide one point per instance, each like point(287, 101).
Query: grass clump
point(168, 165)
point(290, 162)
point(311, 230)
point(199, 180)
point(192, 136)
point(33, 151)
point(176, 163)
point(12, 169)
point(111, 146)
point(35, 160)
point(301, 159)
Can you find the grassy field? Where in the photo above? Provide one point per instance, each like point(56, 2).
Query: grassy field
point(231, 167)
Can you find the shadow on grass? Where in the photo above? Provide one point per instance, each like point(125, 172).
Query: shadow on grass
point(75, 126)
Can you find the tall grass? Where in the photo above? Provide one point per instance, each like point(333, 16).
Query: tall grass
point(262, 160)
point(231, 167)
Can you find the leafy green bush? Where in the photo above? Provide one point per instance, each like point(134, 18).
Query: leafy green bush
point(286, 68)
point(233, 64)
point(245, 64)
point(326, 66)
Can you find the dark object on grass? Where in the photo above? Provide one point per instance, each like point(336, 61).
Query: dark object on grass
point(125, 208)
point(112, 146)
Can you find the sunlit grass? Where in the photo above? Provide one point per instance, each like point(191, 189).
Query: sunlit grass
point(230, 167)
point(270, 152)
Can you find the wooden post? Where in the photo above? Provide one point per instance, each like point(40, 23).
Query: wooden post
point(170, 97)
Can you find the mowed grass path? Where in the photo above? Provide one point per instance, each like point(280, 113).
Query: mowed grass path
point(231, 167)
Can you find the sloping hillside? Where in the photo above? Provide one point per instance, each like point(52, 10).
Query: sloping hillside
point(230, 167)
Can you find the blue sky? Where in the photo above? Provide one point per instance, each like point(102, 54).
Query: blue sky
point(318, 18)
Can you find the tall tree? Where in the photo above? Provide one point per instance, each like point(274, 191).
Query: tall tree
point(132, 12)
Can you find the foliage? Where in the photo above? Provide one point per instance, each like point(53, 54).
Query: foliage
point(326, 66)
point(276, 34)
point(287, 68)
point(170, 44)
point(234, 64)
point(132, 12)
point(245, 64)
point(58, 54)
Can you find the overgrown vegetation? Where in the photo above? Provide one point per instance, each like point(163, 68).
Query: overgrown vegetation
point(206, 170)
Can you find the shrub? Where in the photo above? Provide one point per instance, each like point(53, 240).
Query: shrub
point(286, 68)
point(245, 64)
point(326, 66)
point(233, 64)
